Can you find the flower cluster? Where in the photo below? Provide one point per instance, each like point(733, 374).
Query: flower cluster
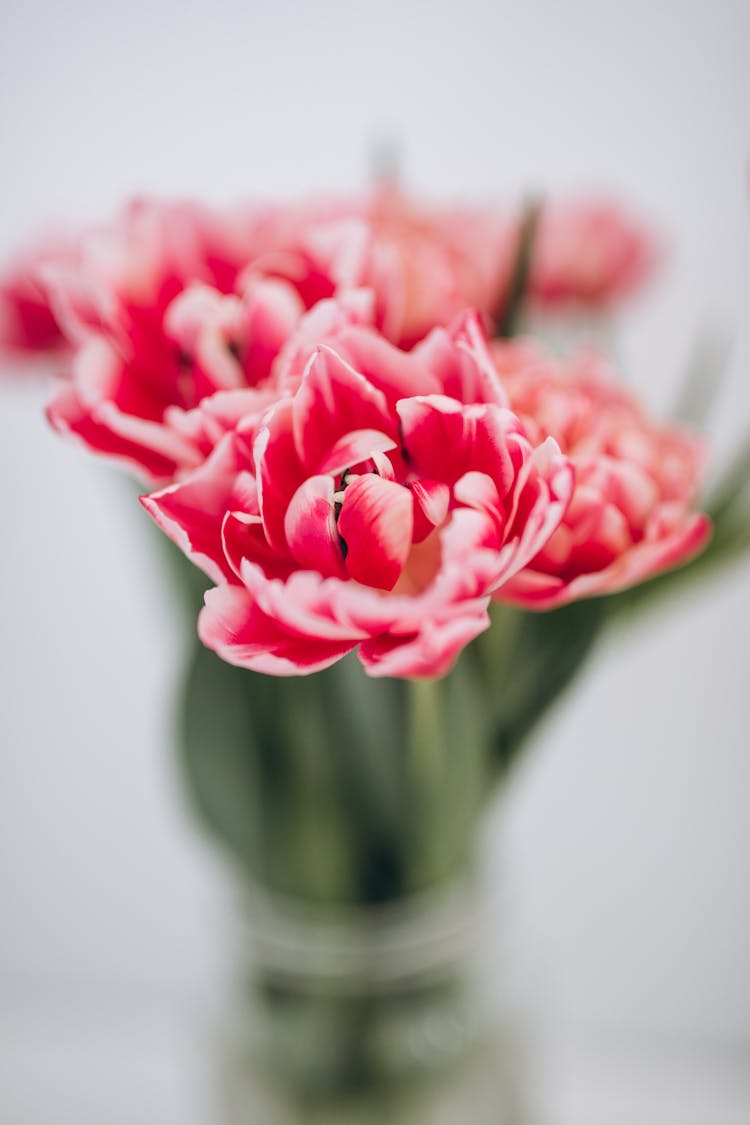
point(311, 393)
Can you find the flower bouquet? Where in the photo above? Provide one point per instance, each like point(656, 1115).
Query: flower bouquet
point(402, 526)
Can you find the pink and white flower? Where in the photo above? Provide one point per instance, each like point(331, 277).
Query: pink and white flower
point(172, 302)
point(588, 254)
point(129, 402)
point(378, 504)
point(28, 324)
point(427, 264)
point(632, 512)
point(423, 264)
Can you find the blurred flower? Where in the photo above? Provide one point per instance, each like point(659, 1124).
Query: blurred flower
point(588, 254)
point(161, 311)
point(171, 302)
point(135, 404)
point(423, 264)
point(428, 265)
point(28, 325)
point(631, 515)
point(377, 504)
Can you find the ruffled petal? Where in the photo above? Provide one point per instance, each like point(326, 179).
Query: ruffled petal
point(310, 528)
point(333, 400)
point(429, 653)
point(233, 625)
point(376, 523)
point(191, 512)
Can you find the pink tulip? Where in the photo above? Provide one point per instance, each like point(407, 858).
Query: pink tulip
point(128, 399)
point(148, 309)
point(430, 264)
point(423, 264)
point(588, 254)
point(28, 324)
point(377, 504)
point(631, 515)
point(171, 302)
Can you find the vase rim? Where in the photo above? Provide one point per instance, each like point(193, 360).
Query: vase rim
point(419, 936)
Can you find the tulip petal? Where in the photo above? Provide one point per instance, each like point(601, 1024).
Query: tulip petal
point(310, 528)
point(431, 502)
point(357, 446)
point(191, 511)
point(376, 523)
point(428, 653)
point(279, 470)
point(233, 625)
point(461, 360)
point(333, 400)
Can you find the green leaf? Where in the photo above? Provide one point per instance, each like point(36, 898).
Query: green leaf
point(221, 757)
point(703, 379)
point(301, 779)
point(733, 488)
point(528, 660)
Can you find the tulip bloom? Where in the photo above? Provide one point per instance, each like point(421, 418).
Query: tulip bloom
point(379, 503)
point(172, 302)
point(631, 515)
point(588, 255)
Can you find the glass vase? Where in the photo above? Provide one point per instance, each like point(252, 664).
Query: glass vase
point(395, 1013)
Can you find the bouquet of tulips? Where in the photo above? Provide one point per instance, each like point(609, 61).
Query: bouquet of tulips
point(406, 523)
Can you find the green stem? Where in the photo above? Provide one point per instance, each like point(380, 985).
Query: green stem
point(425, 734)
point(507, 321)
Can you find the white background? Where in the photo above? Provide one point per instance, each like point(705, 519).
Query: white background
point(626, 833)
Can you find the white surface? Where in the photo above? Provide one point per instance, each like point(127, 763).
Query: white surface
point(627, 832)
point(86, 1066)
point(82, 1066)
